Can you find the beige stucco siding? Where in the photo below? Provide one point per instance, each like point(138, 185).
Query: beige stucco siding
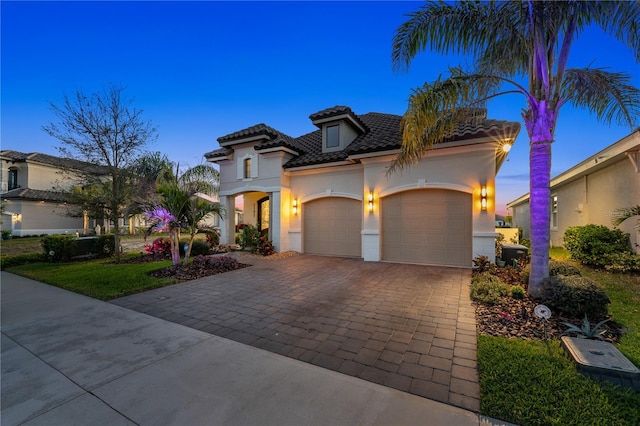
point(36, 218)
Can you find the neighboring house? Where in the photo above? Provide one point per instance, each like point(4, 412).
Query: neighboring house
point(591, 191)
point(328, 192)
point(32, 205)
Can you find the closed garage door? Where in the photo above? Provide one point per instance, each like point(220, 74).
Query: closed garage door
point(332, 227)
point(430, 226)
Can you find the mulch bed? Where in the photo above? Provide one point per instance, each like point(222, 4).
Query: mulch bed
point(195, 270)
point(514, 318)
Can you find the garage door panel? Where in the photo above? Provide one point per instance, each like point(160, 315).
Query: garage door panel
point(427, 226)
point(332, 227)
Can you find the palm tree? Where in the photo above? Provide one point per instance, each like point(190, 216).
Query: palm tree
point(511, 40)
point(622, 214)
point(182, 196)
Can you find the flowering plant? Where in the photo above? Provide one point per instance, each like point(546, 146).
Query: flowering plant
point(505, 317)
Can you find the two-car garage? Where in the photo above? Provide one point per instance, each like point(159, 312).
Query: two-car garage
point(426, 226)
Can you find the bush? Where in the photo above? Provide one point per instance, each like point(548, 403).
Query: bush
point(265, 247)
point(213, 239)
point(198, 248)
point(622, 262)
point(219, 263)
point(105, 245)
point(249, 236)
point(590, 244)
point(59, 248)
point(20, 259)
point(159, 246)
point(558, 267)
point(488, 289)
point(517, 292)
point(575, 295)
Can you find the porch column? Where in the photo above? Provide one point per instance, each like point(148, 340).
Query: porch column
point(228, 220)
point(275, 219)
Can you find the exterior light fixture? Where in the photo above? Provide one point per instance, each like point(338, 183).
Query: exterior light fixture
point(483, 198)
point(506, 147)
point(294, 207)
point(370, 198)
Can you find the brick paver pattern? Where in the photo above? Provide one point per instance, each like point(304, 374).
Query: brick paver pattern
point(409, 327)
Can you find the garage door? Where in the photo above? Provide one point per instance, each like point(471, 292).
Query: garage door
point(332, 227)
point(430, 226)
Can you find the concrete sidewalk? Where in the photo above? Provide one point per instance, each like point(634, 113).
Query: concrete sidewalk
point(69, 359)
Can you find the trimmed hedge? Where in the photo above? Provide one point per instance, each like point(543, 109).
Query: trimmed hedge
point(575, 295)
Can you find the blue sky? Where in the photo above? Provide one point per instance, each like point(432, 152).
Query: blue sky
point(200, 70)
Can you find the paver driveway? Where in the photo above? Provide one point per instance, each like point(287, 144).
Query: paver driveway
point(409, 327)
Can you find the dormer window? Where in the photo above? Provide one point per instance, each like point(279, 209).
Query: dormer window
point(247, 168)
point(332, 136)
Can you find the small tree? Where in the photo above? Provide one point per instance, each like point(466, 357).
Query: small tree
point(182, 197)
point(104, 129)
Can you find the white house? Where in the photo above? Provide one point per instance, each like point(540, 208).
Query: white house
point(591, 191)
point(32, 203)
point(328, 192)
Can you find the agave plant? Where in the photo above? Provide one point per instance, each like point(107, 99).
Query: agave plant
point(586, 332)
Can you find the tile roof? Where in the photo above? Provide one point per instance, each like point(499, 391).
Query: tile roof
point(336, 111)
point(218, 153)
point(382, 133)
point(65, 163)
point(34, 194)
point(257, 130)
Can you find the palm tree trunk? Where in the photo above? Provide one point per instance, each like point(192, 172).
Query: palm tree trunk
point(540, 213)
point(540, 121)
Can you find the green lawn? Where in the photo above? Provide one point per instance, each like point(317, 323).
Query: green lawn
point(523, 382)
point(100, 279)
point(531, 383)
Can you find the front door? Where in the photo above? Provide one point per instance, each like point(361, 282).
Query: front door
point(263, 215)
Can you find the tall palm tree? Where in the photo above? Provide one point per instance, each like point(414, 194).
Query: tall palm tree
point(182, 196)
point(511, 40)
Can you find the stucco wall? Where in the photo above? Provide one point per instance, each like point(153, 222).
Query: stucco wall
point(36, 218)
point(589, 199)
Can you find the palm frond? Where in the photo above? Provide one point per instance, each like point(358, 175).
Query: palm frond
point(441, 27)
point(436, 109)
point(622, 214)
point(610, 95)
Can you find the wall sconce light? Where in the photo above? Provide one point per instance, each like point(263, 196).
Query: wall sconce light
point(294, 207)
point(370, 202)
point(506, 147)
point(483, 198)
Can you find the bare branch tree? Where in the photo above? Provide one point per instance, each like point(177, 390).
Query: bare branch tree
point(104, 129)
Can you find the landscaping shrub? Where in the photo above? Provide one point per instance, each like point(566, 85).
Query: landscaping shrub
point(558, 267)
point(575, 295)
point(59, 248)
point(481, 263)
point(488, 289)
point(213, 239)
point(517, 292)
point(590, 244)
point(622, 262)
point(265, 247)
point(105, 245)
point(249, 237)
point(159, 246)
point(198, 247)
point(219, 263)
point(20, 259)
